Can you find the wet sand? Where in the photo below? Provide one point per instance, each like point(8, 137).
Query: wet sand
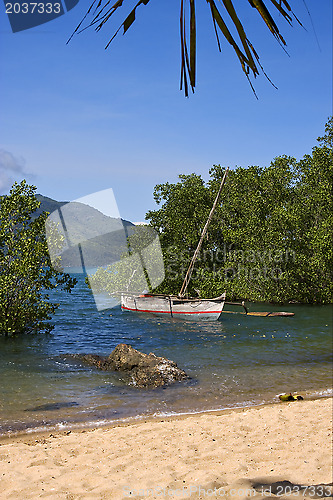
point(276, 451)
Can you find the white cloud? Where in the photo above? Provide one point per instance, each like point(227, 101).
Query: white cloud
point(11, 168)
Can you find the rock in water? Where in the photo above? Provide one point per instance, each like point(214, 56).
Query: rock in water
point(140, 369)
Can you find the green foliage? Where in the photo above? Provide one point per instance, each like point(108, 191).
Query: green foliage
point(314, 222)
point(25, 271)
point(270, 238)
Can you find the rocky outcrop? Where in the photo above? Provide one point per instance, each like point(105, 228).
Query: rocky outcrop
point(138, 369)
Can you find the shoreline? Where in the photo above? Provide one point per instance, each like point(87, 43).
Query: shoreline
point(286, 445)
point(77, 427)
point(24, 435)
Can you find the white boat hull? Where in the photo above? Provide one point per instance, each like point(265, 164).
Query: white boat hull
point(192, 309)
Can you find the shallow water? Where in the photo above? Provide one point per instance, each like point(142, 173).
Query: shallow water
point(232, 362)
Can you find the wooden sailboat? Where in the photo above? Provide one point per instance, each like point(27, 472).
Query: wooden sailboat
point(174, 306)
point(179, 305)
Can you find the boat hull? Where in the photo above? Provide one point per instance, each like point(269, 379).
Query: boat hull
point(190, 309)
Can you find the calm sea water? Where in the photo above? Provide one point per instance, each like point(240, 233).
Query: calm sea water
point(236, 361)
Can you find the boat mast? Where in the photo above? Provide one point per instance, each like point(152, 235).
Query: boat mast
point(195, 255)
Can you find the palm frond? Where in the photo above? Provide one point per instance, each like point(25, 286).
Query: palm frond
point(188, 61)
point(222, 15)
point(101, 16)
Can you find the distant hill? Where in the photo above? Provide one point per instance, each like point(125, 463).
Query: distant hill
point(47, 204)
point(102, 239)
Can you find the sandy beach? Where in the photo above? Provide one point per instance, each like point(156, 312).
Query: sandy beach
point(282, 450)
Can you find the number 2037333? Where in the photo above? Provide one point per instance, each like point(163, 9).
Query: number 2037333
point(32, 8)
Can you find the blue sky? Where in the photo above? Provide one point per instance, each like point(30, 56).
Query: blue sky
point(76, 118)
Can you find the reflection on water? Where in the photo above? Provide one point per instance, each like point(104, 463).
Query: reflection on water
point(232, 362)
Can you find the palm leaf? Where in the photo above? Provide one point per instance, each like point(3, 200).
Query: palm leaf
point(183, 76)
point(101, 17)
point(269, 21)
point(218, 20)
point(193, 43)
point(240, 30)
point(188, 62)
point(248, 57)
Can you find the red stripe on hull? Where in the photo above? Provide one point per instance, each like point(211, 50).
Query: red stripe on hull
point(169, 312)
